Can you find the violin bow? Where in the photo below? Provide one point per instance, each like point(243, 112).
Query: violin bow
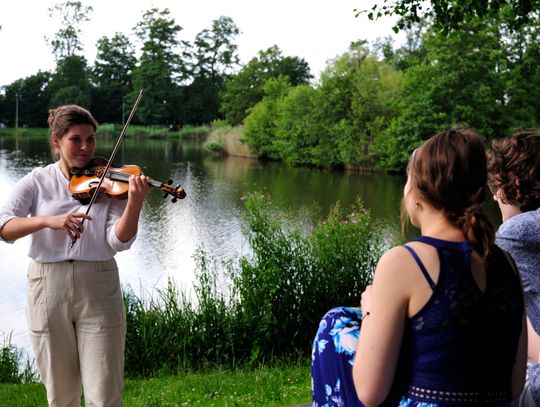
point(111, 158)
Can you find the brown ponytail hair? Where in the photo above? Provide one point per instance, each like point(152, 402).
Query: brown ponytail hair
point(63, 118)
point(449, 172)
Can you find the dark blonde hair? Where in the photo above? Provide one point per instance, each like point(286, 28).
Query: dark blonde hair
point(63, 118)
point(514, 168)
point(449, 172)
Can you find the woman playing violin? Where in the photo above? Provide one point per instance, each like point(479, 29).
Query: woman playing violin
point(75, 311)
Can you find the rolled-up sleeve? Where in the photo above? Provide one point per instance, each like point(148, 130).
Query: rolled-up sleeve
point(19, 202)
point(116, 210)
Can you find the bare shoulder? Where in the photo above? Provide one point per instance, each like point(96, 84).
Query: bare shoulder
point(394, 258)
point(396, 264)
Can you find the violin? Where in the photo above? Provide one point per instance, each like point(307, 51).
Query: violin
point(84, 181)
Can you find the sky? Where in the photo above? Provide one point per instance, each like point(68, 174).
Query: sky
point(316, 30)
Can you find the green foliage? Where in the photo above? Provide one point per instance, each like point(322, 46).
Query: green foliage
point(70, 83)
point(134, 131)
point(160, 67)
point(260, 126)
point(246, 88)
point(115, 61)
point(215, 147)
point(34, 95)
point(453, 15)
point(11, 359)
point(199, 132)
point(300, 137)
point(71, 15)
point(264, 307)
point(458, 83)
point(334, 124)
point(293, 278)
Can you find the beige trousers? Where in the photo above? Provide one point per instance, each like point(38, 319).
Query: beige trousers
point(77, 325)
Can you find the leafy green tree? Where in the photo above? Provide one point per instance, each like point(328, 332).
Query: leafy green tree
point(245, 89)
point(260, 124)
point(461, 82)
point(161, 67)
point(358, 98)
point(523, 79)
point(33, 97)
point(71, 14)
point(301, 136)
point(453, 15)
point(70, 82)
point(3, 110)
point(111, 76)
point(214, 57)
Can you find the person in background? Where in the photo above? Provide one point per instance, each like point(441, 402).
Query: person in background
point(514, 179)
point(443, 322)
point(75, 311)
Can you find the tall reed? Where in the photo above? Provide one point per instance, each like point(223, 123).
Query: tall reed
point(14, 367)
point(259, 308)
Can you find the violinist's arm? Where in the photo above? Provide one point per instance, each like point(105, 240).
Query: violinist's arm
point(127, 225)
point(20, 227)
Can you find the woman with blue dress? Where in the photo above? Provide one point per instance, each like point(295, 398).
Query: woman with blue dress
point(443, 322)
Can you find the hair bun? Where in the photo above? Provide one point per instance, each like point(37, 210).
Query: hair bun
point(52, 117)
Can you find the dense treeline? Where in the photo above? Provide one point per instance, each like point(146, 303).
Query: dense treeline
point(370, 107)
point(184, 81)
point(375, 104)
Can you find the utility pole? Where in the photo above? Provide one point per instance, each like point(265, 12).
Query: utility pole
point(17, 110)
point(123, 110)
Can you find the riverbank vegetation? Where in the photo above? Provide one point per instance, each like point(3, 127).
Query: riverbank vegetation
point(370, 107)
point(260, 308)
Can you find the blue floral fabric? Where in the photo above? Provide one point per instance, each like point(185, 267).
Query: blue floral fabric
point(333, 358)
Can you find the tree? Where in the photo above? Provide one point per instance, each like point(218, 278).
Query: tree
point(460, 82)
point(115, 61)
point(452, 15)
point(33, 98)
point(161, 68)
point(243, 90)
point(523, 79)
point(70, 82)
point(66, 41)
point(214, 57)
point(260, 127)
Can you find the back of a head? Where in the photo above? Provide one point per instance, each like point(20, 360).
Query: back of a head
point(514, 169)
point(449, 172)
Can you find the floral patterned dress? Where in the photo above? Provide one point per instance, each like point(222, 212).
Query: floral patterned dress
point(332, 358)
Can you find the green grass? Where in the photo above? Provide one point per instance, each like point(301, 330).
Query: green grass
point(38, 133)
point(276, 386)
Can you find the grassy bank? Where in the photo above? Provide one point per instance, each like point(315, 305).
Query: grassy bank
point(277, 386)
point(227, 140)
point(24, 132)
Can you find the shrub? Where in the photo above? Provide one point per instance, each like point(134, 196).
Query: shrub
point(264, 307)
point(11, 360)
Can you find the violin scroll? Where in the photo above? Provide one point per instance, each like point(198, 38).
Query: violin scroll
point(177, 193)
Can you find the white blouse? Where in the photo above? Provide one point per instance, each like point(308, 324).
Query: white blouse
point(44, 192)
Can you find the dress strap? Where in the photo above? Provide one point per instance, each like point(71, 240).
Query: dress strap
point(421, 265)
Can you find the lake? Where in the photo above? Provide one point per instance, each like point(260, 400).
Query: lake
point(209, 217)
